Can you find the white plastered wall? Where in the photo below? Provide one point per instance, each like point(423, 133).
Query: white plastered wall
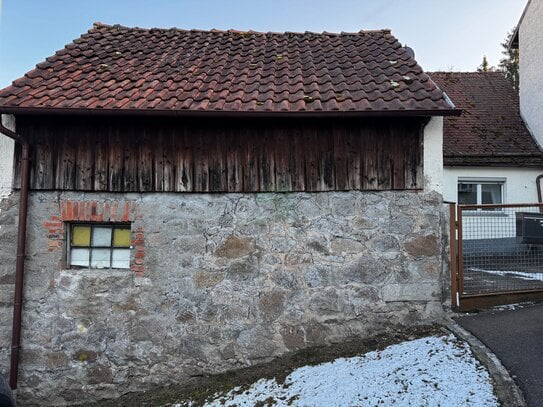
point(531, 68)
point(520, 185)
point(6, 157)
point(433, 155)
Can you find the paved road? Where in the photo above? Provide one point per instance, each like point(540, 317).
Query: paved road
point(516, 337)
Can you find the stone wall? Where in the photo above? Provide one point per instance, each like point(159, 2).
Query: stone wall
point(227, 281)
point(8, 242)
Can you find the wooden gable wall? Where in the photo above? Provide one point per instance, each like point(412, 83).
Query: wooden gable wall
point(182, 155)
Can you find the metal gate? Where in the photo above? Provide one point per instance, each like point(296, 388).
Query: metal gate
point(496, 254)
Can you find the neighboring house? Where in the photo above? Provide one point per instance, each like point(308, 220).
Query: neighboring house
point(528, 38)
point(489, 156)
point(202, 201)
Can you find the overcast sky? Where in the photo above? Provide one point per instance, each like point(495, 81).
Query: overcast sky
point(445, 34)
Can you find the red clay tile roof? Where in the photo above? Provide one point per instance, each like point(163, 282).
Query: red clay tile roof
point(490, 130)
point(119, 69)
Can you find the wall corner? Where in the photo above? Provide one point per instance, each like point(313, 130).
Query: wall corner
point(433, 155)
point(7, 147)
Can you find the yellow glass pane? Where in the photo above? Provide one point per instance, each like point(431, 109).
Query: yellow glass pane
point(121, 237)
point(81, 235)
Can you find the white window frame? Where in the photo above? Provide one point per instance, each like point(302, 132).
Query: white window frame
point(479, 181)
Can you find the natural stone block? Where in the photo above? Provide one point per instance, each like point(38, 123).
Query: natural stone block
point(293, 337)
point(205, 279)
point(421, 246)
point(412, 292)
point(234, 247)
point(271, 305)
point(346, 246)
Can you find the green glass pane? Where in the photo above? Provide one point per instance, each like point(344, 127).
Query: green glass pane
point(81, 235)
point(121, 237)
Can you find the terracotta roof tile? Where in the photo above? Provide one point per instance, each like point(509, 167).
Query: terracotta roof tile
point(170, 70)
point(490, 130)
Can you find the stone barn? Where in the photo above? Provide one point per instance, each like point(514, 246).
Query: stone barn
point(199, 201)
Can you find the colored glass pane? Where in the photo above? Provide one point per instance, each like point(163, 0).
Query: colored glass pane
point(81, 235)
point(121, 238)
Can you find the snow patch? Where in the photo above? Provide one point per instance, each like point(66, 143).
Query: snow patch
point(511, 273)
point(432, 371)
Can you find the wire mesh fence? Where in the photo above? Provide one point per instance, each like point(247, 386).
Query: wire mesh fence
point(501, 248)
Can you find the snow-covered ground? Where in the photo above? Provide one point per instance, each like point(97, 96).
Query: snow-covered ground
point(432, 371)
point(512, 273)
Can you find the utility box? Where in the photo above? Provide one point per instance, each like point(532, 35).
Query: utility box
point(529, 227)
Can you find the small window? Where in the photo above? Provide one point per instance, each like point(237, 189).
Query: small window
point(480, 192)
point(100, 245)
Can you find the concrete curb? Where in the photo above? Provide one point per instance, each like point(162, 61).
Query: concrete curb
point(507, 391)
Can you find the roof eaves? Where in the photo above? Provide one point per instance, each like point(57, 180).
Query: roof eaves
point(222, 113)
point(514, 41)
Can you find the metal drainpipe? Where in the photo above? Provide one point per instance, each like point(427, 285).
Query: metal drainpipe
point(538, 185)
point(21, 246)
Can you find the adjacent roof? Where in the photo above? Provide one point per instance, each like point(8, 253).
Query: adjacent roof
point(116, 69)
point(490, 130)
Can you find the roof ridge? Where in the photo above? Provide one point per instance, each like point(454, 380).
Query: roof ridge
point(98, 25)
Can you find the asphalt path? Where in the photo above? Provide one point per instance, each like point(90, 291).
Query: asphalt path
point(516, 338)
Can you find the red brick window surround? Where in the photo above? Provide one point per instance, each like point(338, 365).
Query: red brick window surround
point(107, 212)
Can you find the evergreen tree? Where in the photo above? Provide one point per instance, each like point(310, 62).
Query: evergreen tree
point(485, 66)
point(509, 63)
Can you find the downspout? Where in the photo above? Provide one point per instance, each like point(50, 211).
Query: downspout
point(538, 185)
point(21, 246)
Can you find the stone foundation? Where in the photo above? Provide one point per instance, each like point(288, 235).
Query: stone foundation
point(227, 281)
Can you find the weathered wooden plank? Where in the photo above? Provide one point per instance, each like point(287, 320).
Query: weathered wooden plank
point(251, 170)
point(157, 134)
point(217, 163)
point(397, 159)
point(417, 160)
point(201, 160)
point(146, 147)
point(184, 163)
point(296, 158)
point(325, 159)
point(48, 168)
point(234, 160)
point(340, 159)
point(130, 140)
point(169, 156)
point(357, 156)
point(101, 156)
point(84, 166)
point(381, 135)
point(266, 159)
point(281, 143)
point(66, 157)
point(311, 163)
point(115, 159)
